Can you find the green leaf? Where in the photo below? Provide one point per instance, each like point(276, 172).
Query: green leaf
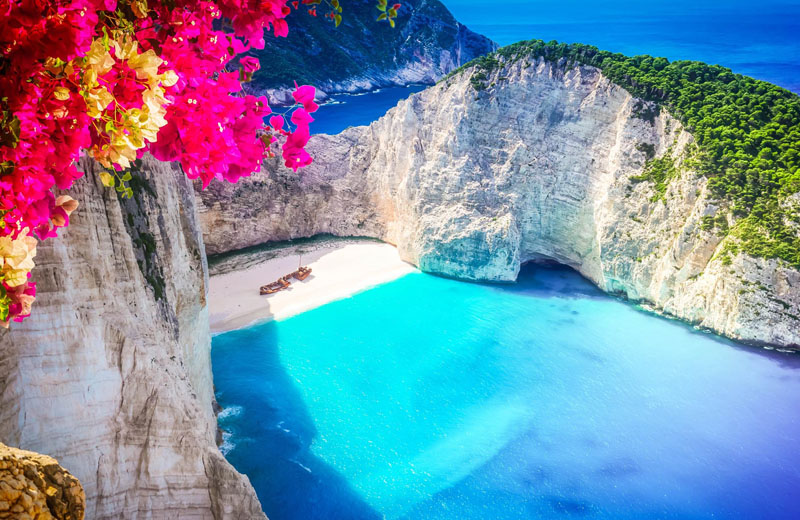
point(127, 176)
point(335, 3)
point(391, 22)
point(6, 168)
point(337, 19)
point(392, 13)
point(382, 17)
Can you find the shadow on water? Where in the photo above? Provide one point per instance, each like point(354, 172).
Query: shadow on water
point(554, 280)
point(619, 421)
point(274, 422)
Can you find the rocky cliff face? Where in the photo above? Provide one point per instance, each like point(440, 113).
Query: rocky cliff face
point(35, 487)
point(113, 375)
point(363, 54)
point(545, 163)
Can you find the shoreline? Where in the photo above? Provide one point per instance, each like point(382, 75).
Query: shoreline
point(340, 268)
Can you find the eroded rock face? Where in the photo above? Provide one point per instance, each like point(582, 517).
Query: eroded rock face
point(112, 375)
point(35, 487)
point(362, 54)
point(541, 165)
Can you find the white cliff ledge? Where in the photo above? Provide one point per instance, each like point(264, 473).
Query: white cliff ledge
point(112, 372)
point(541, 166)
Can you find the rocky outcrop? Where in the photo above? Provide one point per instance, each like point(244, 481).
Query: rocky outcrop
point(544, 163)
point(363, 54)
point(113, 374)
point(35, 487)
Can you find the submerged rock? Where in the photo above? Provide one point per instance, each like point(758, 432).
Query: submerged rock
point(544, 161)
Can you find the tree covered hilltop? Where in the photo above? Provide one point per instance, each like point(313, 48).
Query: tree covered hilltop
point(747, 132)
point(426, 43)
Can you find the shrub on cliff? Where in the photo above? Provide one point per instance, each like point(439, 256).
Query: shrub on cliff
point(748, 132)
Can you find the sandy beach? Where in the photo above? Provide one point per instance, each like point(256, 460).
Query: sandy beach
point(340, 268)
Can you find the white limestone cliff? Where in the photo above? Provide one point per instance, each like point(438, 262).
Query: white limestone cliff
point(112, 374)
point(540, 165)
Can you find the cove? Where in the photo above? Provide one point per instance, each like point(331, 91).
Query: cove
point(429, 398)
point(345, 110)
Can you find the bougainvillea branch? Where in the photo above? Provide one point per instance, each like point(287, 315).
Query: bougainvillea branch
point(119, 79)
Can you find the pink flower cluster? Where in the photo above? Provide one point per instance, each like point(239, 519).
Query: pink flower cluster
point(294, 153)
point(48, 116)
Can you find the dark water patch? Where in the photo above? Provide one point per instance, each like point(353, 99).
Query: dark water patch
point(272, 431)
point(619, 468)
point(569, 507)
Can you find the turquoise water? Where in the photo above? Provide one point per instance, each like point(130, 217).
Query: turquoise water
point(428, 398)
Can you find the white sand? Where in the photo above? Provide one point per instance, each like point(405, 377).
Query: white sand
point(339, 270)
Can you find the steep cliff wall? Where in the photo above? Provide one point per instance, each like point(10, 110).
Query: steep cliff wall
point(545, 163)
point(112, 375)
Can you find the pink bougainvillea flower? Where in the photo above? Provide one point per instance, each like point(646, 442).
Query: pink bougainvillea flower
point(22, 297)
point(294, 153)
point(167, 146)
point(276, 122)
point(281, 28)
point(305, 96)
point(301, 118)
point(249, 64)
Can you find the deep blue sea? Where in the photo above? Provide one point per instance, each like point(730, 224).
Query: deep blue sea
point(432, 399)
point(759, 39)
point(358, 109)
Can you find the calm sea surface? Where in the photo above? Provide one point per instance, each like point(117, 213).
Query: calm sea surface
point(358, 109)
point(428, 398)
point(759, 39)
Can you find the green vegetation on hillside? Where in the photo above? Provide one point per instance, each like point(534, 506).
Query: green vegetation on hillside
point(659, 171)
point(748, 133)
point(318, 53)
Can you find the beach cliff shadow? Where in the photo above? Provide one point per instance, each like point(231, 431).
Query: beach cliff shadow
point(268, 432)
point(556, 281)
